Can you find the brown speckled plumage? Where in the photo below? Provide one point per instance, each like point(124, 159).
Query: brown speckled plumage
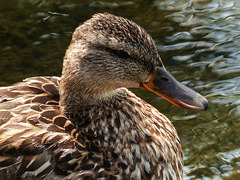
point(86, 125)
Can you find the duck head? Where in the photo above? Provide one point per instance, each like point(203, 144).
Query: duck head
point(108, 52)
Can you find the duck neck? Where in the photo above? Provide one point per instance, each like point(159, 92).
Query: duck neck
point(76, 104)
point(103, 121)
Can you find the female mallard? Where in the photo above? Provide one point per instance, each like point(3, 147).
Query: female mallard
point(98, 129)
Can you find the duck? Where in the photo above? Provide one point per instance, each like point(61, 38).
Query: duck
point(86, 124)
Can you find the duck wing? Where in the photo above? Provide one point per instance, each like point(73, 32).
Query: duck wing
point(34, 136)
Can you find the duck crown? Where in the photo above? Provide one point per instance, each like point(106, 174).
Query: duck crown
point(119, 34)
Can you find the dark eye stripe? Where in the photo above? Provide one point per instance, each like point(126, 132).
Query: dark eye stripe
point(119, 53)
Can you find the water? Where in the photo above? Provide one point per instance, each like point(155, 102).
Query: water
point(198, 40)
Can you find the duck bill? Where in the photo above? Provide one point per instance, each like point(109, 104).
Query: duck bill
point(165, 85)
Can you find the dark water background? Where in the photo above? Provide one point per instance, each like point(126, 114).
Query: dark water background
point(198, 40)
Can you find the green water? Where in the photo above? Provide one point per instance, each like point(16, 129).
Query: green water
point(198, 40)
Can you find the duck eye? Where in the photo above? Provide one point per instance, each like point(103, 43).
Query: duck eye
point(121, 53)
